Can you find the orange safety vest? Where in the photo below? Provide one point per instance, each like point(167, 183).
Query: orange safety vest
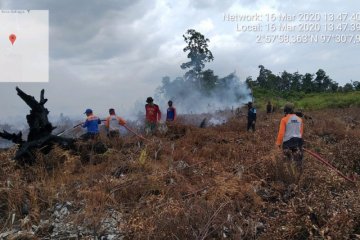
point(290, 126)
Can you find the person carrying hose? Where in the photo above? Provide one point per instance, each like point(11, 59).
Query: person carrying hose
point(91, 124)
point(113, 124)
point(290, 139)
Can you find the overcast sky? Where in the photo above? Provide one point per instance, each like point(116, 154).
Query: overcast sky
point(113, 53)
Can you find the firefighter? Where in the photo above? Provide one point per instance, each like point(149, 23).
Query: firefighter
point(113, 124)
point(153, 116)
point(290, 139)
point(91, 124)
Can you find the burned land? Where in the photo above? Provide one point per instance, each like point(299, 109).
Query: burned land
point(215, 182)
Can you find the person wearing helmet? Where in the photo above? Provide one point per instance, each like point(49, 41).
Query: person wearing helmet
point(153, 115)
point(91, 124)
point(290, 137)
point(251, 117)
point(171, 112)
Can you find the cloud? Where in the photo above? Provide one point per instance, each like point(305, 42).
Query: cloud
point(114, 53)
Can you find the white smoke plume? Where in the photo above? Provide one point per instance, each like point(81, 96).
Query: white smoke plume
point(228, 93)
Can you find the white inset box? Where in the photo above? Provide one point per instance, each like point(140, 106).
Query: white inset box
point(24, 45)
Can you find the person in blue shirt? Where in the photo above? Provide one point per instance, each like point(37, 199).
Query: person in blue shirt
point(171, 112)
point(91, 124)
point(251, 117)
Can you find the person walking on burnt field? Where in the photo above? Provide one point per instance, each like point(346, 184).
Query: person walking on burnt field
point(171, 112)
point(113, 123)
point(290, 138)
point(269, 108)
point(153, 116)
point(251, 117)
point(91, 124)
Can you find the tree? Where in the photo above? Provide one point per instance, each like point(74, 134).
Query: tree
point(273, 82)
point(327, 84)
point(334, 86)
point(348, 87)
point(322, 82)
point(318, 81)
point(307, 83)
point(209, 80)
point(199, 54)
point(296, 82)
point(262, 79)
point(250, 82)
point(267, 79)
point(356, 85)
point(285, 83)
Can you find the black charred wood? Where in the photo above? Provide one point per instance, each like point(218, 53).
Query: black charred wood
point(38, 118)
point(40, 137)
point(15, 138)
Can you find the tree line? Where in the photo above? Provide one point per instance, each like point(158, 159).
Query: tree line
point(287, 82)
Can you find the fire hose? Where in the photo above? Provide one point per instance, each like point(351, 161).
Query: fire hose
point(129, 129)
point(135, 133)
point(140, 136)
point(62, 132)
point(322, 160)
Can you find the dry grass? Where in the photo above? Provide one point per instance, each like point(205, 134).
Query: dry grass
point(194, 183)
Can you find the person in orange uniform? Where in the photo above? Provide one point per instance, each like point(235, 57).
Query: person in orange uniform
point(153, 116)
point(113, 124)
point(290, 137)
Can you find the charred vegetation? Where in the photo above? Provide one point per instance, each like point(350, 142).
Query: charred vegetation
point(40, 135)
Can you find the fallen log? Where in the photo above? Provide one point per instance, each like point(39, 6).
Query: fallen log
point(40, 137)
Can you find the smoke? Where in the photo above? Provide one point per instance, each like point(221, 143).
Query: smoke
point(191, 97)
point(212, 100)
point(217, 120)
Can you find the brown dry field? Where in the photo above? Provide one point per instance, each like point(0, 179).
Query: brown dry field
point(200, 183)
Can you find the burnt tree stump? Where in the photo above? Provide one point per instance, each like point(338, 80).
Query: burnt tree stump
point(40, 137)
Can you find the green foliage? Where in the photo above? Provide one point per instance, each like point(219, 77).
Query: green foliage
point(356, 85)
point(294, 82)
point(309, 101)
point(277, 99)
point(348, 87)
point(309, 91)
point(209, 81)
point(199, 54)
point(330, 100)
